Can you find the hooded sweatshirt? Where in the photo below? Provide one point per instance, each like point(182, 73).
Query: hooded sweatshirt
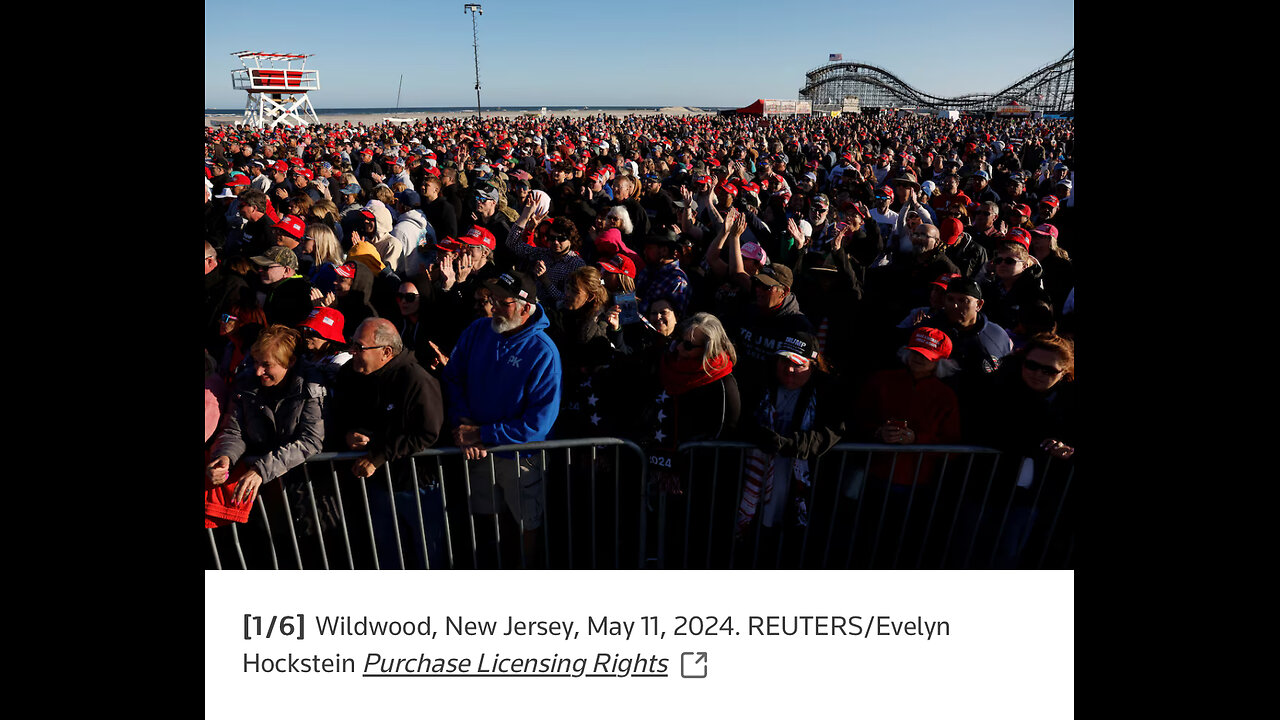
point(411, 230)
point(510, 386)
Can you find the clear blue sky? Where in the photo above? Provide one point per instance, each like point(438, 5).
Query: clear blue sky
point(656, 53)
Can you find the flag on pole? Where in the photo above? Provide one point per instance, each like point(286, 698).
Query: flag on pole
point(833, 57)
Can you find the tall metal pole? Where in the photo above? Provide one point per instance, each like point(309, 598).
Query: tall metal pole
point(475, 43)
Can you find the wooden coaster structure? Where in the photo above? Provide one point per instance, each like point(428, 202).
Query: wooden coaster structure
point(277, 92)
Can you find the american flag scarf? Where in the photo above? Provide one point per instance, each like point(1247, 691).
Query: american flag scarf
point(758, 484)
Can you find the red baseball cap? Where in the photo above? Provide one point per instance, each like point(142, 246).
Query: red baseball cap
point(951, 229)
point(1049, 200)
point(449, 244)
point(1046, 229)
point(931, 343)
point(293, 225)
point(347, 270)
point(327, 322)
point(479, 236)
point(620, 264)
point(944, 279)
point(1020, 236)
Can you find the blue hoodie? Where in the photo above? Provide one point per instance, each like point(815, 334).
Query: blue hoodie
point(510, 386)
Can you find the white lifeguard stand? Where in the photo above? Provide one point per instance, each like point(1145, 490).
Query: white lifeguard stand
point(277, 95)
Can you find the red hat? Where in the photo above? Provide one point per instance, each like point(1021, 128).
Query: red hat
point(620, 264)
point(347, 270)
point(1046, 229)
point(282, 166)
point(886, 191)
point(327, 322)
point(433, 171)
point(295, 160)
point(731, 189)
point(479, 236)
point(304, 173)
point(1020, 236)
point(931, 343)
point(368, 214)
point(238, 180)
point(944, 279)
point(1049, 200)
point(293, 225)
point(449, 244)
point(951, 229)
point(1026, 211)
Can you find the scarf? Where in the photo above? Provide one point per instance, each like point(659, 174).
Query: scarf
point(760, 465)
point(679, 375)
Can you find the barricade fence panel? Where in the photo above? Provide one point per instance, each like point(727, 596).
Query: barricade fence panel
point(865, 506)
point(595, 503)
point(558, 504)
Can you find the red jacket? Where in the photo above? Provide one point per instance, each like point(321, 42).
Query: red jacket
point(930, 409)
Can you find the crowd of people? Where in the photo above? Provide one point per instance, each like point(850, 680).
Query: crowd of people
point(792, 282)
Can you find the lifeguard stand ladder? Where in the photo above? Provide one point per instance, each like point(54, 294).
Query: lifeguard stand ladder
point(277, 95)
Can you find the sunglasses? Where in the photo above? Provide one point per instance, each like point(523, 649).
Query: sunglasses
point(226, 318)
point(690, 346)
point(356, 347)
point(1047, 370)
point(407, 297)
point(1005, 261)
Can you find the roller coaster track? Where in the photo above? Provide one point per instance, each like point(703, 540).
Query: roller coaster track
point(1048, 89)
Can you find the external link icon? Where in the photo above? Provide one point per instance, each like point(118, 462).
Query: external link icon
point(693, 664)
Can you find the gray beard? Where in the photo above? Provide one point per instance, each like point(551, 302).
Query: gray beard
point(505, 326)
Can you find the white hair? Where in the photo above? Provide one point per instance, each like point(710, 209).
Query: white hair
point(621, 213)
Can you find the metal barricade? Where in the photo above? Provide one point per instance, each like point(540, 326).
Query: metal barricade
point(868, 506)
point(865, 506)
point(537, 505)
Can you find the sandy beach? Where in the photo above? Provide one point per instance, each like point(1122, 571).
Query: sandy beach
point(372, 118)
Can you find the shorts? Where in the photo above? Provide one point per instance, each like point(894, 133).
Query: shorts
point(527, 503)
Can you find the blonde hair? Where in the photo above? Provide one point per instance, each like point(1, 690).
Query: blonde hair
point(277, 342)
point(587, 279)
point(327, 249)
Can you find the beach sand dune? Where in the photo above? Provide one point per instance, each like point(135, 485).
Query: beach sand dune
point(371, 118)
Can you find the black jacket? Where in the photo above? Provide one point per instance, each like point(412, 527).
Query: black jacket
point(399, 407)
point(967, 254)
point(288, 302)
point(1004, 308)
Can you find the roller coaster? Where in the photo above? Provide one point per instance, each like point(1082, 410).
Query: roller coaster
point(854, 86)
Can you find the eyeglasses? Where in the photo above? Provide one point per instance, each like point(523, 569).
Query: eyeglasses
point(407, 297)
point(226, 318)
point(482, 301)
point(356, 347)
point(1005, 261)
point(1047, 370)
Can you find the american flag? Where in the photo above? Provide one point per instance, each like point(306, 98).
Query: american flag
point(833, 57)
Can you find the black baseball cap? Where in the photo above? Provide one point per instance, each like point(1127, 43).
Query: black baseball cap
point(514, 284)
point(965, 286)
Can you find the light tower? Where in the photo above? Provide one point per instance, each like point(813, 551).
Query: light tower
point(276, 95)
point(475, 44)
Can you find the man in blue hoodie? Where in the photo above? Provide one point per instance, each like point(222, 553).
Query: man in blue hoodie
point(503, 386)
